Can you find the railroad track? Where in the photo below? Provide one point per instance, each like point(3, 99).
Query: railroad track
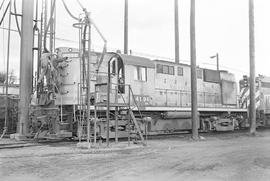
point(181, 135)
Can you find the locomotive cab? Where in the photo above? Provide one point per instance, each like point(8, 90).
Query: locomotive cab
point(116, 71)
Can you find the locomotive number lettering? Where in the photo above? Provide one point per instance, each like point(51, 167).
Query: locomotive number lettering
point(142, 100)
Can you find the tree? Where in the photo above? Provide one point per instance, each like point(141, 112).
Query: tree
point(11, 77)
point(2, 77)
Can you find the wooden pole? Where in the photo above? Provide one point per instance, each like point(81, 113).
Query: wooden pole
point(126, 28)
point(7, 71)
point(252, 108)
point(52, 26)
point(176, 31)
point(45, 24)
point(108, 106)
point(116, 101)
point(193, 72)
point(88, 80)
point(217, 56)
point(26, 64)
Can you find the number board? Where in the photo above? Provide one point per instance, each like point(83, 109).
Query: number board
point(142, 100)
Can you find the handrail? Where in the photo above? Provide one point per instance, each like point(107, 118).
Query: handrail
point(101, 84)
point(184, 91)
point(131, 91)
point(135, 102)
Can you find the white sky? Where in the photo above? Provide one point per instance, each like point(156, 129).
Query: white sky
point(221, 26)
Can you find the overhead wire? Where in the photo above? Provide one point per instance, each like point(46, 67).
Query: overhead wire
point(4, 13)
point(92, 22)
point(16, 17)
point(83, 8)
point(2, 4)
point(58, 38)
point(99, 32)
point(48, 25)
point(135, 53)
point(4, 58)
point(74, 17)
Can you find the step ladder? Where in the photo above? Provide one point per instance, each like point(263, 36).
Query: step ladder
point(137, 126)
point(123, 111)
point(84, 50)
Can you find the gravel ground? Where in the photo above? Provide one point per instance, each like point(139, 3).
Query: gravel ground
point(229, 156)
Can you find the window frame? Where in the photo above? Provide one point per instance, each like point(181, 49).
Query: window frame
point(159, 68)
point(180, 73)
point(139, 75)
point(165, 69)
point(171, 68)
point(199, 73)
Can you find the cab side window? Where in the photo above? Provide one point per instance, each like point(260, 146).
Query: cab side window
point(165, 69)
point(140, 73)
point(180, 71)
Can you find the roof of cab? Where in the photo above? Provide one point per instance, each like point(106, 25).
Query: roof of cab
point(136, 60)
point(171, 62)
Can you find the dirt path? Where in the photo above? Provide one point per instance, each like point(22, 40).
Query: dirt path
point(223, 157)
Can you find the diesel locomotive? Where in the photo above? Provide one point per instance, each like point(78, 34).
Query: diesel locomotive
point(156, 92)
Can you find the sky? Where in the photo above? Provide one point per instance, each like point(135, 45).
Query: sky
point(221, 27)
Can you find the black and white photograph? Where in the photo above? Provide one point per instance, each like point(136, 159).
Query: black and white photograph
point(134, 90)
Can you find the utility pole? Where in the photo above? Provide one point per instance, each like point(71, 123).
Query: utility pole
point(52, 23)
point(217, 62)
point(45, 24)
point(26, 65)
point(7, 71)
point(88, 79)
point(116, 101)
point(176, 31)
point(217, 59)
point(252, 108)
point(126, 28)
point(194, 105)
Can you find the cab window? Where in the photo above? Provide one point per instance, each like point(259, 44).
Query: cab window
point(199, 73)
point(180, 71)
point(165, 69)
point(140, 73)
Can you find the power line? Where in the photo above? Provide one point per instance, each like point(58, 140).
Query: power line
point(140, 53)
point(4, 13)
point(2, 4)
point(4, 57)
point(71, 15)
point(58, 38)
